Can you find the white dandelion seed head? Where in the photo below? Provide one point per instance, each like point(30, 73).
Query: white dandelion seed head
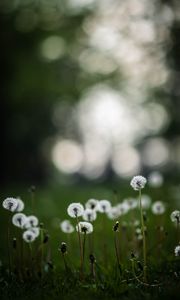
point(28, 236)
point(92, 204)
point(10, 204)
point(66, 226)
point(89, 215)
point(146, 201)
point(131, 203)
point(138, 182)
point(177, 250)
point(31, 221)
point(84, 227)
point(35, 230)
point(155, 179)
point(75, 210)
point(104, 206)
point(113, 213)
point(20, 205)
point(158, 208)
point(123, 208)
point(175, 216)
point(19, 220)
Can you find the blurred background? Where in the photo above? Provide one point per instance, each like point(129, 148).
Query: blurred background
point(89, 90)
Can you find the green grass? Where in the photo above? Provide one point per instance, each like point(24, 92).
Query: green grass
point(51, 207)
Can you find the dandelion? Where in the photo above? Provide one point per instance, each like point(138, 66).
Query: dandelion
point(158, 208)
point(84, 227)
point(155, 179)
point(75, 210)
point(66, 226)
point(92, 204)
point(20, 205)
point(175, 216)
point(131, 203)
point(177, 250)
point(104, 206)
point(123, 208)
point(63, 250)
point(35, 230)
point(113, 213)
point(89, 215)
point(32, 221)
point(138, 182)
point(10, 204)
point(19, 220)
point(29, 236)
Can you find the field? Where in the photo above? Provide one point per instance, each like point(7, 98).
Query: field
point(115, 269)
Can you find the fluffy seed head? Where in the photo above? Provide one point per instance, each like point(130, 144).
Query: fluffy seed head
point(104, 206)
point(123, 208)
point(138, 182)
point(19, 220)
point(158, 208)
point(75, 210)
point(89, 215)
point(66, 226)
point(84, 227)
point(10, 204)
point(28, 236)
point(131, 202)
point(113, 213)
point(177, 250)
point(20, 205)
point(35, 230)
point(31, 221)
point(175, 216)
point(92, 204)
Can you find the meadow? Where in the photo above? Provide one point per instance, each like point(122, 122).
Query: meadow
point(107, 263)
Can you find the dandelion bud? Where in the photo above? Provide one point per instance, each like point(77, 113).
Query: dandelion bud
point(14, 243)
point(92, 259)
point(116, 226)
point(63, 248)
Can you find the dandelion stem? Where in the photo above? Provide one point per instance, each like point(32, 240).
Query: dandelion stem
point(42, 249)
point(80, 248)
point(84, 242)
point(116, 251)
point(8, 244)
point(144, 238)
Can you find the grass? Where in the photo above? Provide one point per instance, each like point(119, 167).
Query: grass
point(50, 205)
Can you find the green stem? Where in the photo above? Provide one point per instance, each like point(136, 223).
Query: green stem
point(84, 242)
point(116, 251)
point(42, 250)
point(80, 248)
point(144, 238)
point(8, 243)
